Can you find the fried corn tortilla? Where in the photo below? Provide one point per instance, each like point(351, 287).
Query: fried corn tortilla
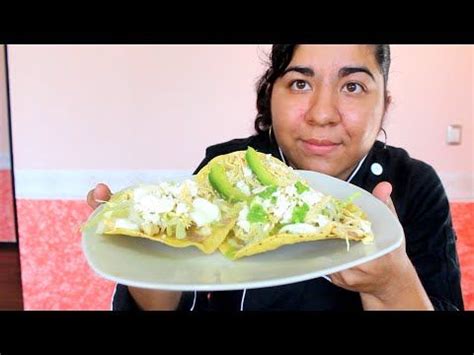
point(178, 215)
point(277, 207)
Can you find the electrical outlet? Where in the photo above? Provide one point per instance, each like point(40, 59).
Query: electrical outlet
point(453, 136)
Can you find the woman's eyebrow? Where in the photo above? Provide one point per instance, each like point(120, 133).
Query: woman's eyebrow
point(307, 71)
point(345, 71)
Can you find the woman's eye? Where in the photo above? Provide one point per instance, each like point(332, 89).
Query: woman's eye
point(300, 85)
point(353, 88)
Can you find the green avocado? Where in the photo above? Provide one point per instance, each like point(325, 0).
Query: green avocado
point(220, 182)
point(258, 168)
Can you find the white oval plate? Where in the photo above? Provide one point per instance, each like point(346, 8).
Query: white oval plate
point(146, 264)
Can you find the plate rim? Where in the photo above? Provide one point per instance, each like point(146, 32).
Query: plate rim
point(241, 285)
point(251, 284)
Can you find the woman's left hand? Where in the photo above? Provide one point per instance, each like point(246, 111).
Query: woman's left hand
point(389, 282)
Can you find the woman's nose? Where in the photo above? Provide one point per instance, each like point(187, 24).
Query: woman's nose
point(323, 109)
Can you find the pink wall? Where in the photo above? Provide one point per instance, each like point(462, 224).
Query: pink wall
point(125, 106)
point(128, 107)
point(432, 88)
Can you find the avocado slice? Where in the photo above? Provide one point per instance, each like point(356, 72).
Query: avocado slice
point(258, 167)
point(220, 182)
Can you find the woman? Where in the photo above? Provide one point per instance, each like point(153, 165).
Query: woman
point(321, 108)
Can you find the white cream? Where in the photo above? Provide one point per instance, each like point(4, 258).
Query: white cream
point(288, 214)
point(247, 172)
point(282, 205)
point(125, 224)
point(151, 206)
point(204, 212)
point(311, 197)
point(299, 228)
point(242, 220)
point(181, 208)
point(242, 186)
point(140, 192)
point(322, 220)
point(290, 190)
point(366, 226)
point(155, 204)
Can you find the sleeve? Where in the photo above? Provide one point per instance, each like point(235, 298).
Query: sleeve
point(123, 301)
point(431, 240)
point(209, 156)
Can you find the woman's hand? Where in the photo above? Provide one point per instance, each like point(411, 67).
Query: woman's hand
point(389, 282)
point(100, 193)
point(146, 299)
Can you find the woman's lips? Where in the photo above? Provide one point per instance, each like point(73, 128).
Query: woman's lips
point(319, 146)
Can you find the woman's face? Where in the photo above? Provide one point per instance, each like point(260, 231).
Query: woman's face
point(327, 108)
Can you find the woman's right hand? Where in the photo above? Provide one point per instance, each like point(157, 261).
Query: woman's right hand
point(145, 298)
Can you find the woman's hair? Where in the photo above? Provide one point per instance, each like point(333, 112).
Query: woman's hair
point(280, 57)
